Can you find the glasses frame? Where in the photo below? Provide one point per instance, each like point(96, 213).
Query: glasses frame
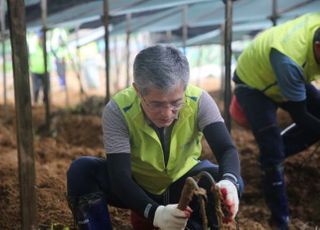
point(158, 106)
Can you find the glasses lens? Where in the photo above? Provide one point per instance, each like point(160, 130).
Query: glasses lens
point(155, 106)
point(177, 106)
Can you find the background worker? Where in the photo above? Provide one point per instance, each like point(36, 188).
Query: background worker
point(60, 55)
point(276, 70)
point(152, 136)
point(37, 68)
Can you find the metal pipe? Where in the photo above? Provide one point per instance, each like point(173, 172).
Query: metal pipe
point(228, 53)
point(128, 33)
point(3, 40)
point(184, 27)
point(46, 75)
point(107, 53)
point(274, 16)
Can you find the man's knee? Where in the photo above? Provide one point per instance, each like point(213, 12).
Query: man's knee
point(83, 175)
point(313, 100)
point(77, 165)
point(237, 113)
point(82, 165)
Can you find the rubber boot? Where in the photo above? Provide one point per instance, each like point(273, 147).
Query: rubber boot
point(276, 198)
point(91, 212)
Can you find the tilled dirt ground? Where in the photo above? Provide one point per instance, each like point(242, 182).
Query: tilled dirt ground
point(76, 134)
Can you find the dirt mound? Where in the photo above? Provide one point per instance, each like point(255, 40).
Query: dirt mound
point(92, 105)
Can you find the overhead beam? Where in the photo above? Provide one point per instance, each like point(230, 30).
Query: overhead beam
point(145, 6)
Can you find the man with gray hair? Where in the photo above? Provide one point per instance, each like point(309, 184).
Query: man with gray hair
point(152, 136)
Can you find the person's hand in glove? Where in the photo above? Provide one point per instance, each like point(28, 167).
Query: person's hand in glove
point(169, 217)
point(230, 198)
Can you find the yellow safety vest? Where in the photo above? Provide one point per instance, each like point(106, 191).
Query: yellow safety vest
point(36, 60)
point(147, 159)
point(295, 40)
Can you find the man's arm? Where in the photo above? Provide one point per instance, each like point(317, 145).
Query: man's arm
point(293, 86)
point(220, 142)
point(165, 217)
point(122, 184)
point(289, 76)
point(302, 117)
point(212, 125)
point(117, 146)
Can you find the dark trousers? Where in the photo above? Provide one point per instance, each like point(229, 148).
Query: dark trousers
point(261, 113)
point(38, 84)
point(88, 175)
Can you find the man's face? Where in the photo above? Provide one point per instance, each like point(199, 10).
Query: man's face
point(162, 107)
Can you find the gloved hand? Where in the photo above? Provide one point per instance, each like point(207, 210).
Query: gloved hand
point(169, 217)
point(230, 198)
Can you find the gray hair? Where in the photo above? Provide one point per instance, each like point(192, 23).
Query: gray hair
point(160, 66)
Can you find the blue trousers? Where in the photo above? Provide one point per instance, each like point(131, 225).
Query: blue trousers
point(61, 71)
point(261, 113)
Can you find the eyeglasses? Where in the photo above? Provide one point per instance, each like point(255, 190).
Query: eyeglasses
point(158, 106)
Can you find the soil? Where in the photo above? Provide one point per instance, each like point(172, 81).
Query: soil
point(77, 131)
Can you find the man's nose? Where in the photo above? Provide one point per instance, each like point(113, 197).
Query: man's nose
point(167, 110)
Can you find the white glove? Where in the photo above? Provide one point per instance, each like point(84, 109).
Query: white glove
point(169, 217)
point(230, 198)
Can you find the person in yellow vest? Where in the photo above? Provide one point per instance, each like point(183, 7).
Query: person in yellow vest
point(277, 70)
point(60, 54)
point(59, 51)
point(37, 68)
point(152, 136)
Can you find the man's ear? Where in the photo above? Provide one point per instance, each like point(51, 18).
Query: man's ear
point(317, 51)
point(136, 88)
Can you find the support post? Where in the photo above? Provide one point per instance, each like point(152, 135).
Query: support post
point(107, 53)
point(46, 90)
point(228, 53)
point(26, 163)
